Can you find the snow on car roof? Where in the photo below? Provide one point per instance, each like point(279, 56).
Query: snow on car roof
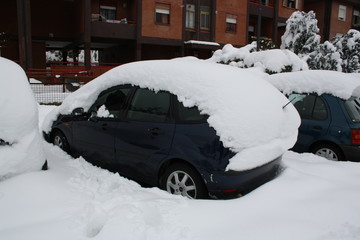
point(339, 84)
point(245, 110)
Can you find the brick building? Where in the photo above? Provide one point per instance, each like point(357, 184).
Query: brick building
point(129, 30)
point(335, 17)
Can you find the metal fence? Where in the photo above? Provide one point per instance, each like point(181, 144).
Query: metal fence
point(52, 93)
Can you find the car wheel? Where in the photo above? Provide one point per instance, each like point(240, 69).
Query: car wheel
point(182, 179)
point(329, 152)
point(60, 140)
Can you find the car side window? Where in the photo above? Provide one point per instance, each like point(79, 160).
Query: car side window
point(149, 106)
point(111, 104)
point(190, 115)
point(309, 106)
point(320, 111)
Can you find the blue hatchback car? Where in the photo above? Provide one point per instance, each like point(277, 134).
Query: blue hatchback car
point(330, 126)
point(187, 126)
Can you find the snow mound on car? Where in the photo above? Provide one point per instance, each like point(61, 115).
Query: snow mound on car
point(245, 110)
point(339, 84)
point(18, 123)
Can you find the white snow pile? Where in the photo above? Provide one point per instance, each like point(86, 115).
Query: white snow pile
point(18, 123)
point(339, 84)
point(245, 110)
point(270, 61)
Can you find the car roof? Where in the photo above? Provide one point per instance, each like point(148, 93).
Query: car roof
point(339, 84)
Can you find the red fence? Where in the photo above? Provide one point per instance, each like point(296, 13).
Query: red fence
point(58, 72)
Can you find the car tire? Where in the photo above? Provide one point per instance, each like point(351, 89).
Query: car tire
point(329, 152)
point(182, 179)
point(60, 140)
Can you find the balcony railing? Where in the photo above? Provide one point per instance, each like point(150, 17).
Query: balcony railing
point(263, 3)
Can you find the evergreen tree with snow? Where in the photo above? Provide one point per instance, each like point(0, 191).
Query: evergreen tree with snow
point(325, 57)
point(301, 35)
point(348, 45)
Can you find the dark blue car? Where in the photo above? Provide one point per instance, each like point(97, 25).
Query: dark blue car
point(330, 126)
point(152, 138)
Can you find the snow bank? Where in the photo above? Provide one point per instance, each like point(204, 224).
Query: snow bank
point(245, 110)
point(18, 122)
point(339, 84)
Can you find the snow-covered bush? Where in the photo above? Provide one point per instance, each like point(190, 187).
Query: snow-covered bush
point(340, 54)
point(270, 61)
point(348, 45)
point(301, 35)
point(325, 57)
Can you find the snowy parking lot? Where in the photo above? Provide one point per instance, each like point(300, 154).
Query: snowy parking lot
point(312, 199)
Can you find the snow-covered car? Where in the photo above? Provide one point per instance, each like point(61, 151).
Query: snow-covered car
point(187, 126)
point(329, 105)
point(21, 148)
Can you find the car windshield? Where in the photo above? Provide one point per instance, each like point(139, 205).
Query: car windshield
point(352, 106)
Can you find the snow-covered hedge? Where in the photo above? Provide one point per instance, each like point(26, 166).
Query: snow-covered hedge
point(270, 61)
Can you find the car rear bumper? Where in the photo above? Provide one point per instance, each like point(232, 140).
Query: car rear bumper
point(234, 183)
point(351, 152)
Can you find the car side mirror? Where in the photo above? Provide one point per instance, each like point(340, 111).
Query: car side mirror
point(78, 111)
point(93, 116)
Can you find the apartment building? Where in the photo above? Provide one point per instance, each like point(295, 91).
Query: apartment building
point(335, 17)
point(129, 30)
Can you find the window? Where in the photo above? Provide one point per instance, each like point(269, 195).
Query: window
point(309, 106)
point(352, 106)
point(190, 115)
point(111, 103)
point(162, 12)
point(147, 106)
point(291, 4)
point(190, 16)
point(231, 23)
point(108, 12)
point(342, 13)
point(356, 18)
point(204, 18)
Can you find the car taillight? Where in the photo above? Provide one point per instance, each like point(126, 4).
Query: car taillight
point(355, 136)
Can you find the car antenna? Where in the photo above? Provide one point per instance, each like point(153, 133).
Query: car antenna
point(288, 103)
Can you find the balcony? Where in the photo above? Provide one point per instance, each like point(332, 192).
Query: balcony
point(267, 8)
point(116, 29)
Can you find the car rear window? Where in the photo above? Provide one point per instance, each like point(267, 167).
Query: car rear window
point(352, 106)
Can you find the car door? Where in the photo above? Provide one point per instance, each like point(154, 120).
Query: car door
point(95, 136)
point(144, 139)
point(315, 119)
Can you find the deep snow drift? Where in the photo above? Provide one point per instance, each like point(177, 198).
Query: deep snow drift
point(312, 199)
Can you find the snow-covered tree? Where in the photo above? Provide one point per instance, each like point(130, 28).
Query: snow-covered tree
point(348, 45)
point(325, 57)
point(301, 35)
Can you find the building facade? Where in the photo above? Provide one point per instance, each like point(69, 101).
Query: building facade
point(129, 30)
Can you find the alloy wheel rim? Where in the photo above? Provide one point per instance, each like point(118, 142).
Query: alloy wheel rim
point(327, 153)
point(58, 142)
point(181, 183)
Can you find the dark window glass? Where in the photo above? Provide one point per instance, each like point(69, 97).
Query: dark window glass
point(190, 114)
point(111, 104)
point(320, 111)
point(353, 108)
point(162, 15)
point(304, 104)
point(147, 105)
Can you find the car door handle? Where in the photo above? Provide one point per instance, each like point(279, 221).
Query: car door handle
point(317, 128)
point(155, 131)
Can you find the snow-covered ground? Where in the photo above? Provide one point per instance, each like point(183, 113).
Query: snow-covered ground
point(312, 199)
